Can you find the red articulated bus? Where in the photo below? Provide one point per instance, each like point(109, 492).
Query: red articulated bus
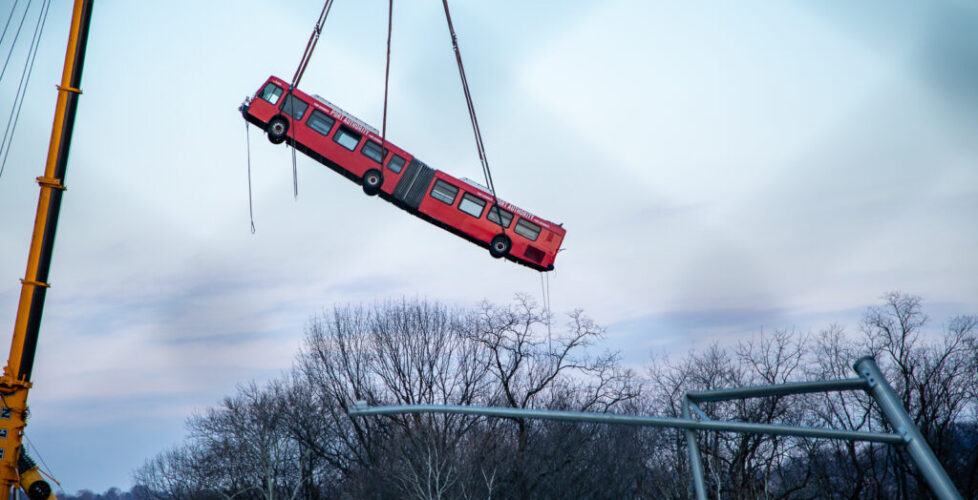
point(339, 140)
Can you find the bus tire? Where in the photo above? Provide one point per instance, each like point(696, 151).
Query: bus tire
point(372, 180)
point(278, 129)
point(500, 245)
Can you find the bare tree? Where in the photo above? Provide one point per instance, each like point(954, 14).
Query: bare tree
point(934, 376)
point(293, 438)
point(533, 367)
point(408, 353)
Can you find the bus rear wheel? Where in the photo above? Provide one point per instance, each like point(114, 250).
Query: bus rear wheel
point(277, 130)
point(372, 180)
point(500, 246)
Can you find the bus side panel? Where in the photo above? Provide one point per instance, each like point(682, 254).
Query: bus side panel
point(351, 161)
point(476, 230)
point(410, 189)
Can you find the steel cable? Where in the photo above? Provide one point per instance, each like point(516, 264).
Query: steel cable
point(303, 63)
point(16, 37)
point(7, 24)
point(25, 79)
point(311, 44)
point(475, 121)
point(387, 74)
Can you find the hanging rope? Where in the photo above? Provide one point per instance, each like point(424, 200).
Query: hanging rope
point(475, 122)
point(387, 75)
point(251, 213)
point(25, 78)
point(295, 172)
point(545, 292)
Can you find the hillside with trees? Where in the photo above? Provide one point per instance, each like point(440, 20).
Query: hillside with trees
point(293, 439)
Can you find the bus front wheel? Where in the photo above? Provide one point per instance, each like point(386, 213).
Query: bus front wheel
point(372, 180)
point(500, 246)
point(277, 130)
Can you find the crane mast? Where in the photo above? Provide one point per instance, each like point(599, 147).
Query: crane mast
point(15, 467)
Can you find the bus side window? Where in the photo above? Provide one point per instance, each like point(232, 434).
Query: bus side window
point(371, 150)
point(396, 164)
point(494, 216)
point(527, 229)
point(472, 205)
point(271, 93)
point(320, 122)
point(294, 107)
point(347, 138)
point(444, 192)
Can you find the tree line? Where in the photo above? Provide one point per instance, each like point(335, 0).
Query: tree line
point(292, 438)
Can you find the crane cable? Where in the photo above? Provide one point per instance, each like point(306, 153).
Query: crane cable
point(311, 44)
point(387, 76)
point(7, 24)
point(303, 63)
point(13, 44)
point(475, 122)
point(25, 78)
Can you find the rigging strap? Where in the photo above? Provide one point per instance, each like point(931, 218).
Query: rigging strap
point(387, 76)
point(311, 44)
point(475, 122)
point(303, 63)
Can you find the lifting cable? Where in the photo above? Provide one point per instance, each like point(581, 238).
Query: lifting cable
point(311, 44)
point(387, 76)
point(303, 63)
point(475, 122)
point(25, 77)
point(7, 24)
point(13, 44)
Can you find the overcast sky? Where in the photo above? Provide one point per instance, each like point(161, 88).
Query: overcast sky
point(720, 168)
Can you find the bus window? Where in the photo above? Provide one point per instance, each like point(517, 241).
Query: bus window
point(294, 107)
point(444, 192)
point(494, 216)
point(396, 164)
point(347, 138)
point(271, 93)
point(320, 122)
point(372, 150)
point(527, 229)
point(471, 205)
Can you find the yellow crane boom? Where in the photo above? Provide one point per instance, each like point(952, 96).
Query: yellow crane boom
point(15, 467)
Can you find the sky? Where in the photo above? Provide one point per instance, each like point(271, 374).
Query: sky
point(720, 168)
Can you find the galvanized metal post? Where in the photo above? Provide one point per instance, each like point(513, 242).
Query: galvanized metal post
point(920, 452)
point(694, 456)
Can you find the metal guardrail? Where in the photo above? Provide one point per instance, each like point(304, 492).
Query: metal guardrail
point(870, 380)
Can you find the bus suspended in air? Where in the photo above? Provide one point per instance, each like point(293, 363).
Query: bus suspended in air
point(346, 144)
